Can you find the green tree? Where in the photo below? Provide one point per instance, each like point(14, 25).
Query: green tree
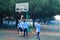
point(37, 8)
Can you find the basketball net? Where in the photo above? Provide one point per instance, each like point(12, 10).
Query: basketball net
point(20, 11)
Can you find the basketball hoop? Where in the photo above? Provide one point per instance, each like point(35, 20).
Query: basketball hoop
point(20, 11)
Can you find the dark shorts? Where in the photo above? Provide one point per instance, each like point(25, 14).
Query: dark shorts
point(20, 29)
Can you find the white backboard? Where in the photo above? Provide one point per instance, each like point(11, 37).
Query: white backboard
point(21, 7)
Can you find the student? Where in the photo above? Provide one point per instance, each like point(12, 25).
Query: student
point(38, 30)
point(25, 26)
point(20, 28)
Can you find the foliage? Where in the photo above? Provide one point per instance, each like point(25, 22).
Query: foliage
point(37, 8)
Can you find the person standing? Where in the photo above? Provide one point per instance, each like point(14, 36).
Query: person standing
point(20, 27)
point(38, 30)
point(25, 26)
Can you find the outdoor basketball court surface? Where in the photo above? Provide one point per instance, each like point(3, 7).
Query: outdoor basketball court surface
point(13, 35)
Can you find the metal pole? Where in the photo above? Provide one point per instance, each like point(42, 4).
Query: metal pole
point(27, 15)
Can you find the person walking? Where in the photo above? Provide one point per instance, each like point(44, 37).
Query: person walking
point(38, 30)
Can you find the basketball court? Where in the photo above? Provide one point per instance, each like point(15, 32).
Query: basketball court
point(13, 35)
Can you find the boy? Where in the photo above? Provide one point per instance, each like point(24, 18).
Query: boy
point(20, 27)
point(38, 30)
point(25, 26)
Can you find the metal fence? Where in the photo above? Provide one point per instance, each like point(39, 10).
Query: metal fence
point(50, 28)
point(9, 24)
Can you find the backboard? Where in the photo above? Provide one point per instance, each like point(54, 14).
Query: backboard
point(21, 7)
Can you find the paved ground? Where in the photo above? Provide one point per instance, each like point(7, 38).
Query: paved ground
point(13, 35)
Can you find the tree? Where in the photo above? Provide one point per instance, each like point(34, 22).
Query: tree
point(37, 8)
point(45, 8)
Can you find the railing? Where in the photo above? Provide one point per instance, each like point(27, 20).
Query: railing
point(51, 28)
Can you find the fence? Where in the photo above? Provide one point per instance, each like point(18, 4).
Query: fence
point(9, 24)
point(51, 28)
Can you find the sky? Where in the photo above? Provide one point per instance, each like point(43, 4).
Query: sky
point(57, 17)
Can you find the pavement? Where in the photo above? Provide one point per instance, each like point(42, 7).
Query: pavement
point(13, 35)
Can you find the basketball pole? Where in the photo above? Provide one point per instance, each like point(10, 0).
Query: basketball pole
point(27, 15)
